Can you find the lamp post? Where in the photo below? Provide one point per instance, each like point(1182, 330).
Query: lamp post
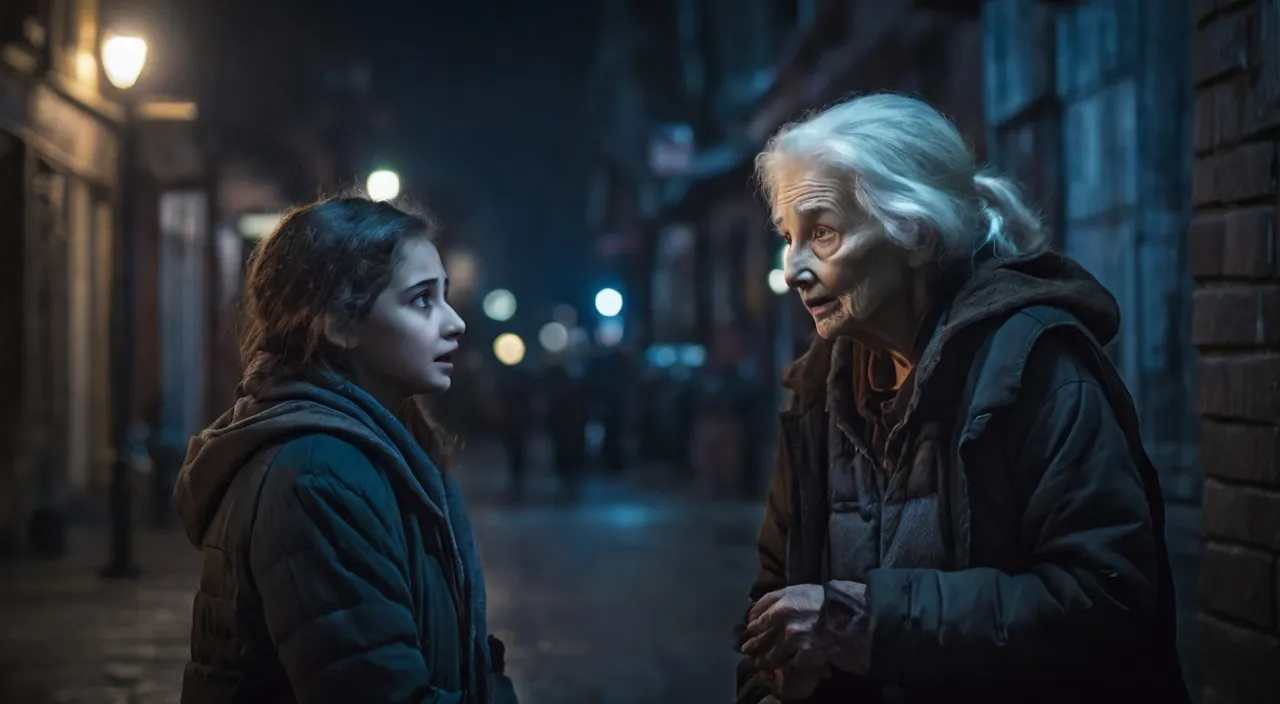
point(123, 58)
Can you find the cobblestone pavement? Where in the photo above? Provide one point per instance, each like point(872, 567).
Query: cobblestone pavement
point(625, 596)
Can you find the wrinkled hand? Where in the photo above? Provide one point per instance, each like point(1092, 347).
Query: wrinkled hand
point(780, 630)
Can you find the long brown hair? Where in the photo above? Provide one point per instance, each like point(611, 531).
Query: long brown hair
point(325, 264)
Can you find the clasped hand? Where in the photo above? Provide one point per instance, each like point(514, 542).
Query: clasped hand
point(780, 637)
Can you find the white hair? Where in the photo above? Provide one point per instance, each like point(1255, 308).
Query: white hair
point(909, 168)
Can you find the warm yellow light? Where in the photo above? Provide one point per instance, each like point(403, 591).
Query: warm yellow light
point(509, 349)
point(123, 59)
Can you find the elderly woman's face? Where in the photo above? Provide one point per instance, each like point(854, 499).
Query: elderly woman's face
point(838, 258)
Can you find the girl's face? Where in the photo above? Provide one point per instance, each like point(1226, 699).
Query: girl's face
point(405, 346)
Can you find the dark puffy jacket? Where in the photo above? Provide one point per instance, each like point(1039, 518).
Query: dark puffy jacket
point(339, 565)
point(1057, 586)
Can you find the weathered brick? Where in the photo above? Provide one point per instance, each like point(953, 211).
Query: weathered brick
point(1236, 315)
point(1204, 137)
point(1206, 245)
point(1227, 99)
point(1238, 662)
point(1249, 244)
point(1247, 172)
point(1243, 173)
point(1260, 107)
point(1201, 9)
point(1247, 453)
point(1218, 114)
point(1239, 583)
point(1204, 181)
point(1242, 513)
point(1245, 387)
point(1225, 44)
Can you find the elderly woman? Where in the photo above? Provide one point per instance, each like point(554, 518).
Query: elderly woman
point(961, 508)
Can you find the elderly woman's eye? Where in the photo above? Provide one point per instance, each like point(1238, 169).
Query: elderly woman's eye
point(823, 232)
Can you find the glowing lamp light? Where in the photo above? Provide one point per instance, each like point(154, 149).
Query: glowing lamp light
point(554, 337)
point(608, 302)
point(778, 281)
point(499, 305)
point(383, 185)
point(123, 59)
point(509, 349)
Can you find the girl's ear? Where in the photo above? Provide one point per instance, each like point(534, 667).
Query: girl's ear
point(341, 337)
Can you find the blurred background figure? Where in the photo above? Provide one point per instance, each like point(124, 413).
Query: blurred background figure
point(608, 384)
point(566, 424)
point(513, 421)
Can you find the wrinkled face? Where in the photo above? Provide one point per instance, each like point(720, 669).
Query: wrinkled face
point(838, 258)
point(405, 346)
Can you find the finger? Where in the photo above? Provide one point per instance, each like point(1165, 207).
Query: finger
point(782, 649)
point(761, 623)
point(763, 603)
point(760, 643)
point(780, 657)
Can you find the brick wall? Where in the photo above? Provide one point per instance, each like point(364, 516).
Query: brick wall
point(1233, 257)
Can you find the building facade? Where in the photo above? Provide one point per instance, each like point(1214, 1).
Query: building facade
point(61, 192)
point(1088, 105)
point(59, 160)
point(1232, 247)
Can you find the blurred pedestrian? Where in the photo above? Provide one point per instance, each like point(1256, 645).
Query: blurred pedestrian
point(567, 424)
point(513, 409)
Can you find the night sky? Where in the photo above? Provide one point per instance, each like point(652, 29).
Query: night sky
point(488, 99)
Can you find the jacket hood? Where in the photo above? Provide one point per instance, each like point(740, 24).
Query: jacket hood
point(989, 289)
point(270, 412)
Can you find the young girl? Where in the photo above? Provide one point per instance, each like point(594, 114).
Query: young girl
point(339, 564)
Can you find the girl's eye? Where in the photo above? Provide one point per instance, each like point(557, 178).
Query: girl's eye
point(422, 300)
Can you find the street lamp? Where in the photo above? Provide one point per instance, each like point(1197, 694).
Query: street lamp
point(383, 185)
point(123, 58)
point(608, 302)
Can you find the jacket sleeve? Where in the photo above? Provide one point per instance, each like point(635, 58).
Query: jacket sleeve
point(336, 596)
point(1089, 587)
point(771, 549)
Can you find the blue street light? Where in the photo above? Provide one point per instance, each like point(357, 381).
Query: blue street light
point(608, 302)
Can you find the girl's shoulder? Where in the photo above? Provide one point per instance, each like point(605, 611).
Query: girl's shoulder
point(322, 461)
